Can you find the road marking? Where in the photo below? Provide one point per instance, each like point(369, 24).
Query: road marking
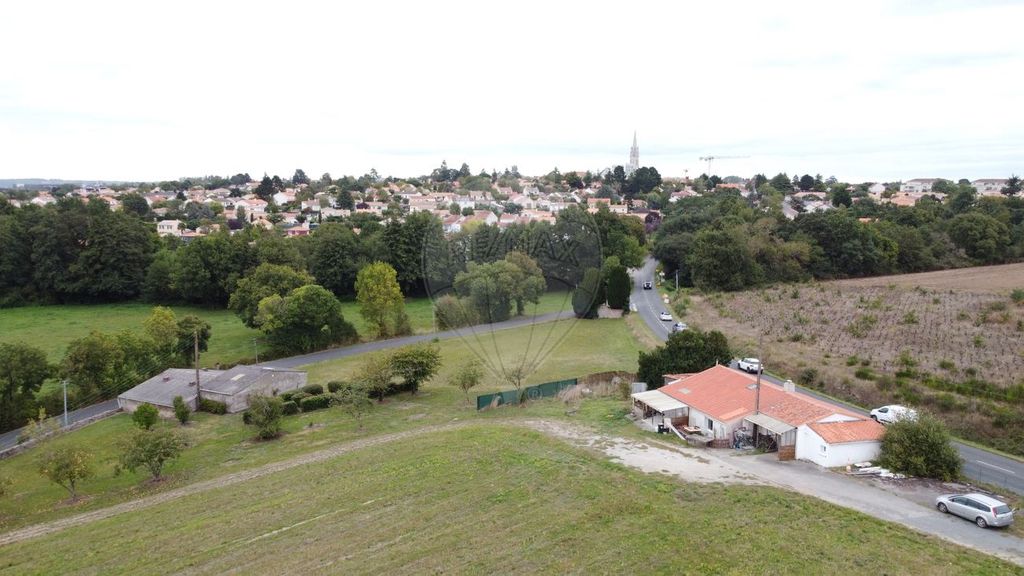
point(996, 467)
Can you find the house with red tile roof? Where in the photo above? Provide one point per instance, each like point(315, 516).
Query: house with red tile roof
point(727, 407)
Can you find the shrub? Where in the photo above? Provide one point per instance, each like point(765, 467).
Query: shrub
point(947, 365)
point(145, 416)
point(864, 373)
point(452, 312)
point(808, 377)
point(150, 450)
point(317, 402)
point(885, 383)
point(246, 417)
point(852, 360)
point(909, 318)
point(265, 415)
point(181, 410)
point(288, 408)
point(212, 406)
point(297, 397)
point(945, 401)
point(920, 448)
point(287, 396)
point(335, 385)
point(1017, 296)
point(862, 325)
point(313, 389)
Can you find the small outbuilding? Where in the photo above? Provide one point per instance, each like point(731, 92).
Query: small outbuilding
point(231, 387)
point(832, 444)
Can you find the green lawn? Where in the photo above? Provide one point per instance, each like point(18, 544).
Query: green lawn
point(52, 328)
point(488, 499)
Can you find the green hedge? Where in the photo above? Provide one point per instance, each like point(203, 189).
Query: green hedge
point(313, 389)
point(297, 397)
point(289, 408)
point(315, 402)
point(286, 396)
point(335, 385)
point(212, 406)
point(246, 417)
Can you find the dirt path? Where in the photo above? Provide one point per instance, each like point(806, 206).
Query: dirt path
point(642, 456)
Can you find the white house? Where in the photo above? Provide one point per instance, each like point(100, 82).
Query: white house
point(989, 186)
point(169, 228)
point(833, 444)
point(922, 185)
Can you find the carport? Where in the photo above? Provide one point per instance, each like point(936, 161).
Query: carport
point(773, 435)
point(658, 406)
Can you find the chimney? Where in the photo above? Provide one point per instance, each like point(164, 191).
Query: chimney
point(789, 386)
point(167, 378)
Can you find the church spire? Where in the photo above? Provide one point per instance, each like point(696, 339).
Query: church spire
point(634, 156)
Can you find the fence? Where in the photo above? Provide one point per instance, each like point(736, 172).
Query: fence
point(545, 390)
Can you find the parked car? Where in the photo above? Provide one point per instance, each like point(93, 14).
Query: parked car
point(892, 413)
point(648, 285)
point(665, 317)
point(749, 365)
point(679, 326)
point(983, 510)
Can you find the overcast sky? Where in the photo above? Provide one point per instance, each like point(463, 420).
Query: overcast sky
point(859, 90)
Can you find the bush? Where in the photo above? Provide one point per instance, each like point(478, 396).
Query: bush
point(452, 312)
point(145, 416)
point(265, 415)
point(150, 450)
point(181, 410)
point(289, 408)
point(920, 448)
point(1017, 296)
point(317, 402)
point(287, 396)
point(297, 397)
point(246, 417)
point(335, 385)
point(808, 377)
point(864, 374)
point(212, 406)
point(313, 389)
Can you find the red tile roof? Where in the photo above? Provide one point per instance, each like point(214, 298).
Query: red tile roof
point(726, 394)
point(842, 432)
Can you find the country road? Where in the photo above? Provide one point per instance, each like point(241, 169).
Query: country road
point(979, 464)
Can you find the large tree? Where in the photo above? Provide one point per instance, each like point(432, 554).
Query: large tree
point(23, 369)
point(380, 298)
point(307, 319)
point(684, 352)
point(1013, 186)
point(266, 280)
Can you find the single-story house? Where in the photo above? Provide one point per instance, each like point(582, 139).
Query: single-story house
point(232, 387)
point(726, 407)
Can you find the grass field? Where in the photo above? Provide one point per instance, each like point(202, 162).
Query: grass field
point(222, 444)
point(52, 328)
point(487, 499)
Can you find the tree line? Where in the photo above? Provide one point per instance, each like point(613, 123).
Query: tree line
point(723, 241)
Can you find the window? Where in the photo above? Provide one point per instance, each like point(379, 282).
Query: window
point(711, 425)
point(824, 449)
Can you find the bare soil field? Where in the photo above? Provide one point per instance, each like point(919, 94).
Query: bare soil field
point(950, 341)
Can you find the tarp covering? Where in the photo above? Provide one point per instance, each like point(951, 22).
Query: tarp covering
point(658, 401)
point(769, 423)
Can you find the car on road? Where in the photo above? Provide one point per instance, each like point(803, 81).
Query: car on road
point(983, 510)
point(665, 317)
point(648, 286)
point(749, 365)
point(679, 326)
point(892, 413)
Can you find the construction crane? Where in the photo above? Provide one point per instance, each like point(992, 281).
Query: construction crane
point(708, 159)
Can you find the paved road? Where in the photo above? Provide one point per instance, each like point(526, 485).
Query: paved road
point(979, 464)
point(8, 439)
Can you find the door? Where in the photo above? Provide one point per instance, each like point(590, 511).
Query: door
point(959, 506)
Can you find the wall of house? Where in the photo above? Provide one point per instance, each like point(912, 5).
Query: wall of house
point(722, 430)
point(132, 405)
point(813, 448)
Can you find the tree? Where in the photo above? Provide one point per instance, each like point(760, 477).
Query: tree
point(162, 328)
point(781, 182)
point(133, 203)
point(189, 328)
point(468, 376)
point(355, 400)
point(265, 190)
point(721, 260)
point(375, 375)
point(528, 281)
point(266, 280)
point(589, 295)
point(307, 319)
point(181, 410)
point(685, 352)
point(380, 298)
point(146, 416)
point(157, 285)
point(23, 369)
point(66, 467)
point(1013, 186)
point(150, 449)
point(806, 182)
point(841, 197)
point(920, 447)
point(416, 364)
point(619, 286)
point(91, 364)
point(981, 236)
point(493, 288)
point(265, 415)
point(300, 177)
point(345, 200)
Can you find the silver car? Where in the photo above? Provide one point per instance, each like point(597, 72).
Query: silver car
point(983, 510)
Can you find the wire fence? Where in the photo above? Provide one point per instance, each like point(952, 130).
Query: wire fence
point(545, 390)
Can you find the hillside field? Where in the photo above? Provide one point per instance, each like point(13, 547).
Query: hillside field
point(950, 341)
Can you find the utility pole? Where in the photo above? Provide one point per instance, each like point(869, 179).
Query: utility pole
point(760, 368)
point(195, 342)
point(677, 279)
point(257, 349)
point(65, 384)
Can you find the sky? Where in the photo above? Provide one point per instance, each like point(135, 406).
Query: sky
point(864, 91)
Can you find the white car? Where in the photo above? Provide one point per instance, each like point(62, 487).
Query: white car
point(892, 413)
point(749, 365)
point(679, 326)
point(665, 317)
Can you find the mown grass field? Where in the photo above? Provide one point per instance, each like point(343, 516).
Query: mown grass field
point(487, 499)
point(222, 444)
point(52, 328)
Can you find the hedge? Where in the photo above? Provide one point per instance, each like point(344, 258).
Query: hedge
point(297, 397)
point(313, 389)
point(286, 396)
point(246, 417)
point(212, 406)
point(335, 385)
point(289, 408)
point(315, 402)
